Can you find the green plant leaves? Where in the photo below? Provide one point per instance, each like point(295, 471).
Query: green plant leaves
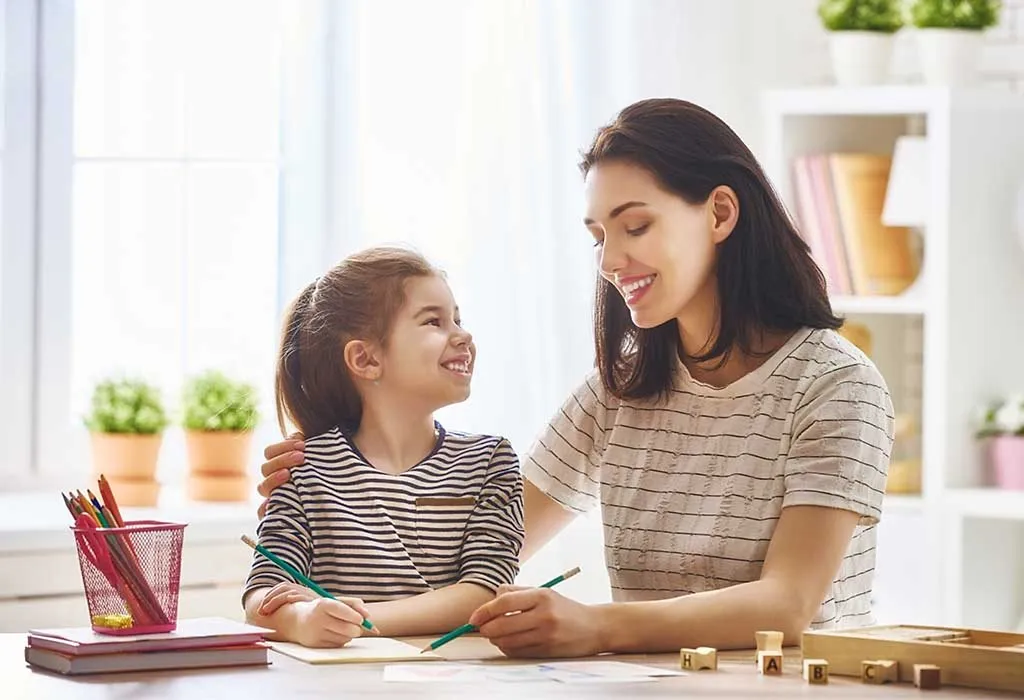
point(126, 405)
point(863, 15)
point(955, 14)
point(213, 401)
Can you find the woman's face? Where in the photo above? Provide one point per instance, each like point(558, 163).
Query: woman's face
point(657, 250)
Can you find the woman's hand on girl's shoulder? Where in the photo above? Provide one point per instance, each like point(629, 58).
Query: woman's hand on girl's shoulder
point(279, 456)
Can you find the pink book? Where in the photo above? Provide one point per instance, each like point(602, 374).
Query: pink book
point(190, 634)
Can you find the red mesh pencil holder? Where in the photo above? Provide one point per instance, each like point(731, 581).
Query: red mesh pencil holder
point(131, 575)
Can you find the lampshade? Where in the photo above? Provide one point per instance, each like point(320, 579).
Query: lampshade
point(906, 196)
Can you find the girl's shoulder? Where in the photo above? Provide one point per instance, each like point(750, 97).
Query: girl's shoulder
point(464, 440)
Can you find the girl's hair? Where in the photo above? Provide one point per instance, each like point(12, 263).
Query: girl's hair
point(356, 299)
point(767, 279)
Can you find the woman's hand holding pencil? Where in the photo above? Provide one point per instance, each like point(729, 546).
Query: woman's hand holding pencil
point(539, 623)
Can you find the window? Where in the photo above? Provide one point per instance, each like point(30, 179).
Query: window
point(17, 263)
point(173, 222)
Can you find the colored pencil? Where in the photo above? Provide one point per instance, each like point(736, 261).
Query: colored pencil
point(108, 499)
point(459, 631)
point(295, 573)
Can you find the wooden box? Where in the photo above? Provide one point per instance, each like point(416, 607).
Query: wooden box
point(969, 658)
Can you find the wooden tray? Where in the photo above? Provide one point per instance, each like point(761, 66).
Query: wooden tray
point(969, 658)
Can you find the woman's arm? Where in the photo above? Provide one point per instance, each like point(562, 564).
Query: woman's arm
point(545, 517)
point(804, 555)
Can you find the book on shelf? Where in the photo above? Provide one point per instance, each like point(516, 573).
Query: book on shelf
point(839, 201)
point(195, 643)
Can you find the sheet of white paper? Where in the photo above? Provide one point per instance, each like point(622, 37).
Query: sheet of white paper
point(558, 671)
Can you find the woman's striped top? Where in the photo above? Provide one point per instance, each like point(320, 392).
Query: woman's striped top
point(691, 489)
point(457, 516)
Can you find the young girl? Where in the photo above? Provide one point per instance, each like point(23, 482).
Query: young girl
point(412, 525)
point(736, 445)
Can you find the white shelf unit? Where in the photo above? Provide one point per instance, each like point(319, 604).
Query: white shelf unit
point(939, 553)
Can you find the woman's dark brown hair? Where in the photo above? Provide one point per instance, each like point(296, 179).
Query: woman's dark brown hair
point(767, 279)
point(356, 299)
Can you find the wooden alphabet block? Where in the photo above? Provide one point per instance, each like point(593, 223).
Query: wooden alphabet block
point(769, 663)
point(768, 640)
point(816, 671)
point(927, 676)
point(880, 671)
point(698, 659)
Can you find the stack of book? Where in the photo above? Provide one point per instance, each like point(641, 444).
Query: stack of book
point(839, 202)
point(196, 643)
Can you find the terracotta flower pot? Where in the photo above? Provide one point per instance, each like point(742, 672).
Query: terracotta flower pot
point(1006, 453)
point(220, 453)
point(126, 455)
point(218, 465)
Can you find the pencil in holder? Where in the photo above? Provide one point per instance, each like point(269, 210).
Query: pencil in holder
point(131, 575)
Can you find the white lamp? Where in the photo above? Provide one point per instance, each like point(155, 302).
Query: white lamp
point(906, 196)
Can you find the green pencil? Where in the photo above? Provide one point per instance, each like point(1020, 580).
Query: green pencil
point(459, 631)
point(295, 573)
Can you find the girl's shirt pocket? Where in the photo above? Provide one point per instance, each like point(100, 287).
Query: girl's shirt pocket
point(439, 525)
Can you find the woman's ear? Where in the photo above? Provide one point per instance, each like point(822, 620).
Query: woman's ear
point(723, 212)
point(361, 359)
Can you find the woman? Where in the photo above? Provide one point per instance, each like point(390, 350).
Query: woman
point(737, 445)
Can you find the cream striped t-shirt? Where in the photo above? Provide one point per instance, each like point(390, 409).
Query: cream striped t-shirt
point(691, 488)
point(457, 516)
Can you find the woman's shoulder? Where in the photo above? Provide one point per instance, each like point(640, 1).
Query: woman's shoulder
point(826, 358)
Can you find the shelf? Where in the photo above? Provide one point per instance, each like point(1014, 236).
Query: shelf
point(902, 503)
point(1000, 504)
point(881, 100)
point(890, 305)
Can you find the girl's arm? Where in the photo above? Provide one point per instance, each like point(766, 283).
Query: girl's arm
point(434, 612)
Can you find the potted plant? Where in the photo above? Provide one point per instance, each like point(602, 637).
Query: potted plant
point(220, 414)
point(949, 37)
point(126, 421)
point(1002, 425)
point(860, 38)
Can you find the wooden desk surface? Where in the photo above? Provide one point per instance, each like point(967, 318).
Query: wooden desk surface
point(287, 678)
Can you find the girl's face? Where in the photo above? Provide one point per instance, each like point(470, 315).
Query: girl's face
point(657, 250)
point(429, 356)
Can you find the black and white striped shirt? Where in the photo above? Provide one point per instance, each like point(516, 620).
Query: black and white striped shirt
point(457, 516)
point(691, 489)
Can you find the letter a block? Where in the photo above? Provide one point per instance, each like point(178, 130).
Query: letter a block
point(769, 663)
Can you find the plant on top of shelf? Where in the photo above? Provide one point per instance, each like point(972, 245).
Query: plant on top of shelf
point(955, 14)
point(126, 420)
point(1002, 423)
point(949, 34)
point(861, 37)
point(861, 15)
point(220, 415)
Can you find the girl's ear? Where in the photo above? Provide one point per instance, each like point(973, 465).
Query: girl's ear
point(723, 212)
point(362, 360)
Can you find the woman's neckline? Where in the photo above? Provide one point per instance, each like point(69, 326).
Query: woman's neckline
point(749, 380)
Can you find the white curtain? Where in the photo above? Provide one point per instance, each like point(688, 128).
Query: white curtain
point(456, 126)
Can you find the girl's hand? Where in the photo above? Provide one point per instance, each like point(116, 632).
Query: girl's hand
point(537, 622)
point(280, 456)
point(284, 593)
point(325, 623)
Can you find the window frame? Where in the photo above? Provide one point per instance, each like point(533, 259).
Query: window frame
point(18, 249)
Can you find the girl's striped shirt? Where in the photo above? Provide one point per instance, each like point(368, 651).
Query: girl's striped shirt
point(457, 516)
